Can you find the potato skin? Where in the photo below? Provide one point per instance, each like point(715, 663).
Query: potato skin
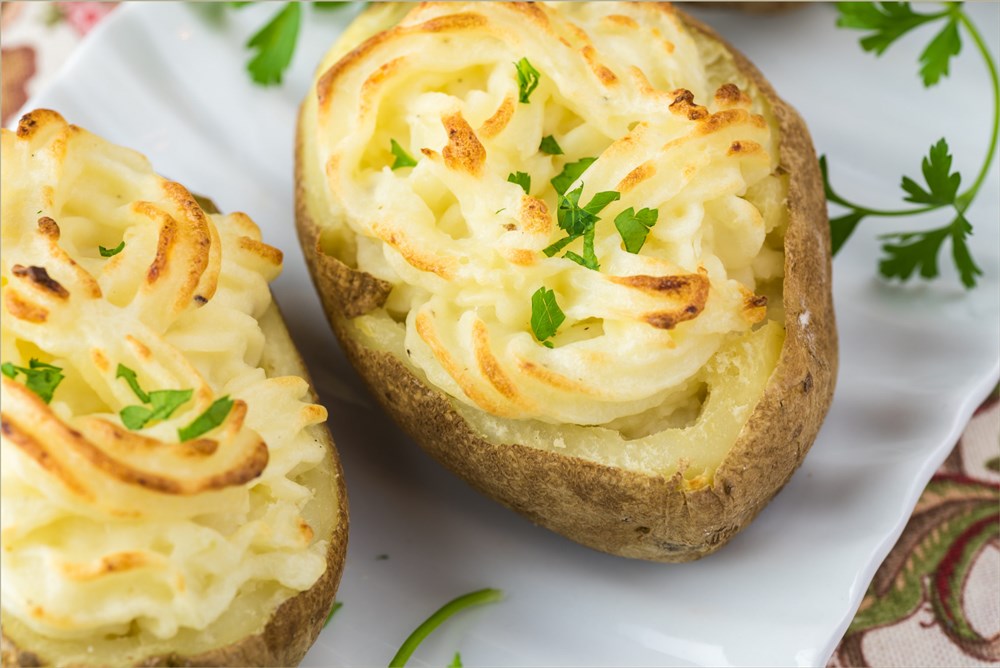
point(609, 509)
point(295, 624)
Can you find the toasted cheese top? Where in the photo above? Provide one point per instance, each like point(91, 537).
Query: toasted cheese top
point(464, 246)
point(108, 527)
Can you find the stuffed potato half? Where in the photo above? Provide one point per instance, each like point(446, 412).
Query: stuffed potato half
point(579, 251)
point(171, 494)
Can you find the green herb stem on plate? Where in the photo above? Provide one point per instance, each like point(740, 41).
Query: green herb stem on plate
point(446, 611)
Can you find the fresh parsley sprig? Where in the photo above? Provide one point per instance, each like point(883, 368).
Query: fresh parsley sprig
point(39, 377)
point(449, 609)
point(580, 221)
point(275, 45)
point(275, 42)
point(907, 253)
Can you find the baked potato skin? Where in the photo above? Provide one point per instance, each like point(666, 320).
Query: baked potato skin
point(609, 509)
point(295, 624)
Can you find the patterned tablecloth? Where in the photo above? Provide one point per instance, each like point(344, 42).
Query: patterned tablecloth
point(935, 601)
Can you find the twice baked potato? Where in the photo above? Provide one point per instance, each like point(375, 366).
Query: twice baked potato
point(170, 494)
point(579, 251)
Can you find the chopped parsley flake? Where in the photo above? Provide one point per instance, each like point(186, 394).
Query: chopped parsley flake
point(110, 252)
point(634, 227)
point(550, 146)
point(546, 316)
point(522, 179)
point(39, 377)
point(527, 79)
point(403, 159)
point(213, 416)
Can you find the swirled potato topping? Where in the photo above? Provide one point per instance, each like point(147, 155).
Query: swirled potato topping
point(574, 207)
point(149, 465)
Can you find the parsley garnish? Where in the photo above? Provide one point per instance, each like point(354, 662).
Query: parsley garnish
point(275, 44)
point(522, 179)
point(571, 171)
point(403, 159)
point(942, 183)
point(578, 222)
point(162, 403)
point(480, 597)
point(207, 421)
point(550, 146)
point(527, 79)
point(39, 377)
point(336, 606)
point(908, 253)
point(634, 227)
point(133, 382)
point(546, 316)
point(110, 252)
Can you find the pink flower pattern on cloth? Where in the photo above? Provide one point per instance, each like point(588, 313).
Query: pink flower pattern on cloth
point(84, 15)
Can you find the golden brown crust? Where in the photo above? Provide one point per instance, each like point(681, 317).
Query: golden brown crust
point(295, 624)
point(610, 509)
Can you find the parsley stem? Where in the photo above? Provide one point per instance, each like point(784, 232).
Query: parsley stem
point(837, 199)
point(963, 201)
point(447, 610)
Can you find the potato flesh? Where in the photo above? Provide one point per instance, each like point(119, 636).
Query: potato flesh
point(463, 303)
point(687, 443)
point(89, 550)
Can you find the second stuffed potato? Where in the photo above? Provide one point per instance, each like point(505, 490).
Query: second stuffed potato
point(579, 252)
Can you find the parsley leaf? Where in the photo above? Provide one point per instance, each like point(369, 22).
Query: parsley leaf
point(403, 159)
point(919, 251)
point(162, 403)
point(936, 57)
point(634, 227)
point(275, 44)
point(527, 79)
point(546, 316)
point(330, 4)
point(133, 382)
point(550, 146)
point(842, 228)
point(942, 182)
point(336, 606)
point(579, 222)
point(522, 179)
point(571, 171)
point(110, 252)
point(39, 377)
point(888, 20)
point(213, 416)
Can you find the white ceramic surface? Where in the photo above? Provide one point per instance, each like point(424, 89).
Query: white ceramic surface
point(168, 79)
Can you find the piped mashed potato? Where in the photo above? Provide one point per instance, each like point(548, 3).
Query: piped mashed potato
point(109, 530)
point(663, 351)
